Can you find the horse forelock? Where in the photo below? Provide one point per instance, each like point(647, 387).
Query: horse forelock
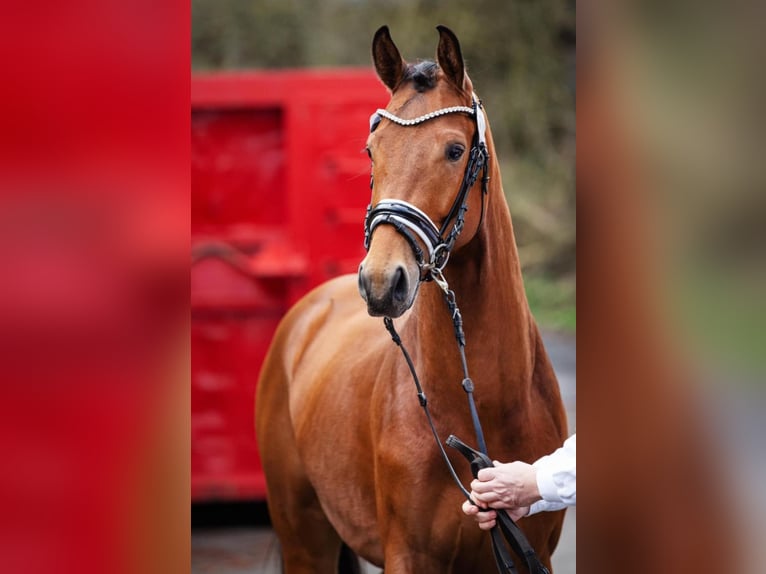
point(426, 75)
point(422, 74)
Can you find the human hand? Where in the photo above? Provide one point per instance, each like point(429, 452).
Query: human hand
point(512, 485)
point(487, 519)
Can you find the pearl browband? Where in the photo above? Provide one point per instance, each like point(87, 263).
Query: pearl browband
point(425, 117)
point(480, 122)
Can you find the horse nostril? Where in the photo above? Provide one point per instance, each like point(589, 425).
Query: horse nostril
point(401, 285)
point(363, 283)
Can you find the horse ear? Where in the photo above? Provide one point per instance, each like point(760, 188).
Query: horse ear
point(450, 58)
point(389, 64)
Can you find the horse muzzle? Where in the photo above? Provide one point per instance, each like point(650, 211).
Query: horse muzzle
point(388, 292)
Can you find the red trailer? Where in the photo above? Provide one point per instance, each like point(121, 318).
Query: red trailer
point(279, 190)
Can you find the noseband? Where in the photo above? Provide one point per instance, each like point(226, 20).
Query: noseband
point(413, 223)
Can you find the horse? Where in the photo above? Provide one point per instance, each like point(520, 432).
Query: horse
point(349, 458)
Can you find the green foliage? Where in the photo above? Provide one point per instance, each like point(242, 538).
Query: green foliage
point(552, 302)
point(721, 312)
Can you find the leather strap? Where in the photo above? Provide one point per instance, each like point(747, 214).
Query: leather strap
point(512, 533)
point(505, 527)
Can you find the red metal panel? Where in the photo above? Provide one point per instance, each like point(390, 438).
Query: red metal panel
point(279, 187)
point(234, 153)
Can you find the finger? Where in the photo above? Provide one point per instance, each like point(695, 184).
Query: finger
point(487, 525)
point(479, 486)
point(478, 505)
point(487, 516)
point(470, 509)
point(486, 474)
point(485, 498)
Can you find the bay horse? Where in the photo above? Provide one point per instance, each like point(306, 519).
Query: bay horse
point(349, 459)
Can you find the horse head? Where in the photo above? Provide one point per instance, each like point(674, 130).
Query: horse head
point(427, 148)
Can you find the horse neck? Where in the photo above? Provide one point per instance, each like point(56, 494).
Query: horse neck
point(486, 277)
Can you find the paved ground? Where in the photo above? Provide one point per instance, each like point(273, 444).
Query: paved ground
point(236, 539)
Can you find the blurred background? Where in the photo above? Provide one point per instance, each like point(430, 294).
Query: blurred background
point(671, 185)
point(94, 175)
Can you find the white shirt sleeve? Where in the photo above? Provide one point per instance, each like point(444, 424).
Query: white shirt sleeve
point(557, 478)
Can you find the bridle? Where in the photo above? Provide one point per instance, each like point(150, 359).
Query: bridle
point(411, 222)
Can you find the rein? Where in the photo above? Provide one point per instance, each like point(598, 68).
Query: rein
point(410, 221)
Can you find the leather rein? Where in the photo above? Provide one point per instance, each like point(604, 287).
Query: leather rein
point(414, 224)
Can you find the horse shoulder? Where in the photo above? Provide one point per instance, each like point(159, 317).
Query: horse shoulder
point(330, 348)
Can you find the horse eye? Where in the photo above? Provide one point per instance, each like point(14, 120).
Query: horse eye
point(369, 153)
point(455, 152)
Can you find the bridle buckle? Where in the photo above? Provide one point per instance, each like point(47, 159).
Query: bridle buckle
point(440, 257)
